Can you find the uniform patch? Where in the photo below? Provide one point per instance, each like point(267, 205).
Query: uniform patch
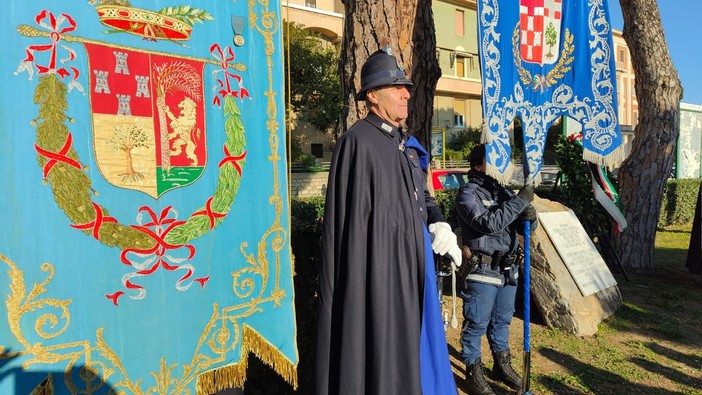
point(489, 203)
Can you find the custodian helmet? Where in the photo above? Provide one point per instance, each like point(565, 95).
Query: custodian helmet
point(381, 69)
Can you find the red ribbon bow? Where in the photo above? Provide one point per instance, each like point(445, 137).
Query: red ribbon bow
point(55, 29)
point(224, 85)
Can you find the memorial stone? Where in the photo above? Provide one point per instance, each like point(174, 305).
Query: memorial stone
point(554, 288)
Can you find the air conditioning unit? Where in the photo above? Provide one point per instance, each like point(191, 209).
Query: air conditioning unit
point(458, 121)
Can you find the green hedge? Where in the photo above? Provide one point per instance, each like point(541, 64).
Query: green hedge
point(445, 200)
point(679, 201)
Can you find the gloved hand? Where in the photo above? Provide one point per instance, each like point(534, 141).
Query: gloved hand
point(529, 214)
point(527, 193)
point(456, 255)
point(442, 238)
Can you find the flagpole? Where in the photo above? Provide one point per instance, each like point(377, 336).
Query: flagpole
point(526, 374)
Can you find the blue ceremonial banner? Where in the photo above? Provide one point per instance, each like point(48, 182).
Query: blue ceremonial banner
point(146, 245)
point(542, 59)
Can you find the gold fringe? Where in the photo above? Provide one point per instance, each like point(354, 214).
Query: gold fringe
point(486, 138)
point(46, 387)
point(612, 161)
point(502, 178)
point(233, 376)
point(485, 135)
point(537, 180)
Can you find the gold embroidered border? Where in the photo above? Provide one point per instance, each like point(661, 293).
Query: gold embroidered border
point(234, 376)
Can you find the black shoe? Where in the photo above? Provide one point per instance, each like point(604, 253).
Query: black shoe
point(502, 370)
point(475, 378)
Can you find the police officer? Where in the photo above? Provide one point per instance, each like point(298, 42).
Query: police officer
point(490, 216)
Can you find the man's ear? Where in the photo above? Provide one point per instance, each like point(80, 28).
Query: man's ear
point(372, 96)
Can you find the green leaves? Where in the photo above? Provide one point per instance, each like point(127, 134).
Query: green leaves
point(313, 71)
point(577, 193)
point(187, 14)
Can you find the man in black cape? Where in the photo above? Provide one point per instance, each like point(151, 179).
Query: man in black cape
point(379, 321)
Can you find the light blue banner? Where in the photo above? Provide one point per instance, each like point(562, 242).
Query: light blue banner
point(144, 196)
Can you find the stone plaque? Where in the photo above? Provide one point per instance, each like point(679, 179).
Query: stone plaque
point(577, 251)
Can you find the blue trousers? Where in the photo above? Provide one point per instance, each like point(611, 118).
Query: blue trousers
point(486, 309)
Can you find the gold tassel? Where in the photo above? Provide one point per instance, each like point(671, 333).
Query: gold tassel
point(233, 376)
point(502, 178)
point(486, 134)
point(46, 387)
point(612, 161)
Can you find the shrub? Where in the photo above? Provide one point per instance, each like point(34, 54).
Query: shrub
point(454, 155)
point(463, 141)
point(306, 243)
point(446, 200)
point(679, 202)
point(308, 161)
point(577, 194)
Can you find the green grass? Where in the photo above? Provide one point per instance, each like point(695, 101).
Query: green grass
point(651, 345)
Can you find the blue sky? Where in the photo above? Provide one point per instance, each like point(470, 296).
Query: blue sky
point(681, 20)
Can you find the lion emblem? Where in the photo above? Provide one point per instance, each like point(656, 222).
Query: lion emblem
point(183, 133)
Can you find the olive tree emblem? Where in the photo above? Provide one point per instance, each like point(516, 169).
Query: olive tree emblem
point(127, 138)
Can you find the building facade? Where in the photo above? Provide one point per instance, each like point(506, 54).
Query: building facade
point(458, 91)
point(325, 17)
point(626, 92)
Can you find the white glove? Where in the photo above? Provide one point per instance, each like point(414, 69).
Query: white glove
point(442, 238)
point(456, 255)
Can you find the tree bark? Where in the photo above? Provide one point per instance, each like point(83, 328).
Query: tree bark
point(643, 174)
point(425, 75)
point(407, 26)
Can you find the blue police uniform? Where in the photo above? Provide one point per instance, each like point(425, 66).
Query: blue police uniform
point(488, 214)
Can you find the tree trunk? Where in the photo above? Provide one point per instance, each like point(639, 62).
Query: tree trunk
point(658, 91)
point(425, 75)
point(407, 26)
point(130, 166)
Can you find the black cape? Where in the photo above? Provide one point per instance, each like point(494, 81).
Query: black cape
point(372, 273)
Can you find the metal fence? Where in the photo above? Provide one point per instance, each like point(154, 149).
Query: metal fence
point(454, 164)
point(297, 167)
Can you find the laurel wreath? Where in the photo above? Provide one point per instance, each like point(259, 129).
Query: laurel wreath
point(187, 14)
point(72, 187)
point(557, 73)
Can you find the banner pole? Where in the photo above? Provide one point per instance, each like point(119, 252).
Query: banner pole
point(526, 374)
